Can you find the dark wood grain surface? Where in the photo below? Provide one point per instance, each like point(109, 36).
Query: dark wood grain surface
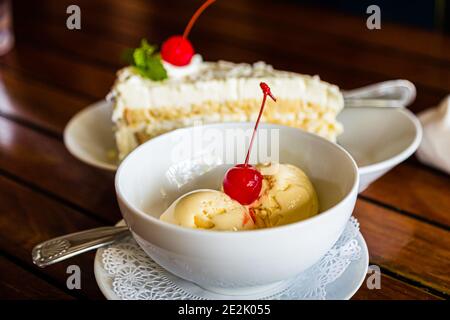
point(53, 72)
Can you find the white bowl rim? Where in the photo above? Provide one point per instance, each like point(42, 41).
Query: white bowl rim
point(404, 154)
point(241, 233)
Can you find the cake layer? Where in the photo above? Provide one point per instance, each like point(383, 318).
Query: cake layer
point(219, 81)
point(139, 125)
point(212, 92)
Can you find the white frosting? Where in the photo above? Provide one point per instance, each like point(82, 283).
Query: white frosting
point(218, 81)
point(176, 72)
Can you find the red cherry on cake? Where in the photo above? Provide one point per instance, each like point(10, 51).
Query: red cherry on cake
point(177, 51)
point(243, 182)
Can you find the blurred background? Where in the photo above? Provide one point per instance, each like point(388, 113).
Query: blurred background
point(324, 37)
point(428, 14)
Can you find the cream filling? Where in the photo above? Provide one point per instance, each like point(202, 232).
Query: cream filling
point(219, 81)
point(127, 137)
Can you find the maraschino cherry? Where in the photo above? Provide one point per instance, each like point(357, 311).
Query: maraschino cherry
point(243, 182)
point(178, 50)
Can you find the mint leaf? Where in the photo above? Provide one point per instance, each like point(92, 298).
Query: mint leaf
point(146, 61)
point(140, 58)
point(147, 47)
point(156, 69)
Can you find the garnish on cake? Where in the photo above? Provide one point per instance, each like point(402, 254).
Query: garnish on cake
point(146, 61)
point(175, 88)
point(177, 50)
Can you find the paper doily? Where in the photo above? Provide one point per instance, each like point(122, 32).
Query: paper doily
point(135, 276)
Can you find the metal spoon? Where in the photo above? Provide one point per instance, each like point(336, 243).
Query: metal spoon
point(67, 246)
point(387, 94)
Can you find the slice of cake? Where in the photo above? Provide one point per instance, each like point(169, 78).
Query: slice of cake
point(211, 92)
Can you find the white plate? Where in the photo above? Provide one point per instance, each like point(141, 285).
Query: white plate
point(343, 288)
point(89, 136)
point(377, 138)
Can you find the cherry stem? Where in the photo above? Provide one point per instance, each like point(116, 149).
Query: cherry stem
point(266, 92)
point(195, 17)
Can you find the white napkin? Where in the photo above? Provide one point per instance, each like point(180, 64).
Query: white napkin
point(435, 147)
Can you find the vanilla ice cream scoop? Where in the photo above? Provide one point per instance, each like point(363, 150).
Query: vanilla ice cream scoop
point(208, 209)
point(287, 196)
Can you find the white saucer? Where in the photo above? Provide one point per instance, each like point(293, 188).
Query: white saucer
point(343, 288)
point(377, 138)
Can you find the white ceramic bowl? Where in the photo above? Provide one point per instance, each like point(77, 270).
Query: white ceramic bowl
point(378, 139)
point(151, 177)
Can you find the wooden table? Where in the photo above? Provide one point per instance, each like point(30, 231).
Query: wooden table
point(53, 72)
